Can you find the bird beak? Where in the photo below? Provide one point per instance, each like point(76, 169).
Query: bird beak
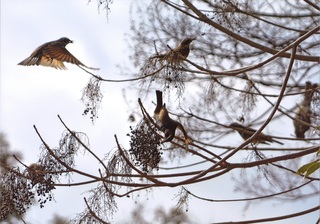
point(71, 41)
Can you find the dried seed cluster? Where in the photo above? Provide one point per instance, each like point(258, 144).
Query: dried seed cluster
point(16, 194)
point(145, 146)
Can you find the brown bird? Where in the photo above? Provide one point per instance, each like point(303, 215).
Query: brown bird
point(36, 173)
point(53, 54)
point(167, 125)
point(247, 132)
point(303, 112)
point(178, 54)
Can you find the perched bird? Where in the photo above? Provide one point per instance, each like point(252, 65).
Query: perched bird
point(303, 111)
point(178, 54)
point(36, 173)
point(53, 54)
point(167, 125)
point(247, 132)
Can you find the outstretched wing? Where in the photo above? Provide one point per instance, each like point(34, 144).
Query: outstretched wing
point(56, 55)
point(48, 54)
point(52, 54)
point(59, 53)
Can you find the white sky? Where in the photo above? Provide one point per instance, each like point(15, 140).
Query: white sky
point(35, 95)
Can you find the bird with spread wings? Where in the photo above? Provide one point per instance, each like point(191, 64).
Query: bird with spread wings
point(53, 54)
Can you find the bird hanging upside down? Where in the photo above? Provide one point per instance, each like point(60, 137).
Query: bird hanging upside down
point(178, 54)
point(53, 54)
point(247, 132)
point(167, 125)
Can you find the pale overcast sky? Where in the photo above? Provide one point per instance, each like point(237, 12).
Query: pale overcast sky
point(36, 95)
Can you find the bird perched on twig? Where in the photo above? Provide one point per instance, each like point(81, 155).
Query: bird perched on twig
point(247, 132)
point(178, 54)
point(53, 54)
point(167, 125)
point(36, 173)
point(303, 112)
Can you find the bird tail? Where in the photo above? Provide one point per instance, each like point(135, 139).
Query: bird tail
point(28, 61)
point(159, 102)
point(310, 89)
point(158, 56)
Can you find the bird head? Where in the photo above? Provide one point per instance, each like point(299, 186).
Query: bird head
point(187, 41)
point(65, 40)
point(235, 125)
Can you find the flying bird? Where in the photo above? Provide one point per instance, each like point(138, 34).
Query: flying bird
point(247, 132)
point(303, 112)
point(53, 54)
point(167, 125)
point(178, 54)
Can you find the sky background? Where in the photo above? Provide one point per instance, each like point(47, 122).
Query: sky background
point(36, 95)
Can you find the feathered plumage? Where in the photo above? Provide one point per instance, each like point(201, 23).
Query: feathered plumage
point(303, 112)
point(247, 132)
point(167, 125)
point(178, 54)
point(53, 54)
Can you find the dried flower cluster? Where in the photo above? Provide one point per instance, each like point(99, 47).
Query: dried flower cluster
point(170, 75)
point(92, 97)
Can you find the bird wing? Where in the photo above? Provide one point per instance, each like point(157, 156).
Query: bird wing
point(168, 135)
point(30, 61)
point(35, 57)
point(60, 53)
point(250, 130)
point(247, 132)
point(50, 54)
point(63, 54)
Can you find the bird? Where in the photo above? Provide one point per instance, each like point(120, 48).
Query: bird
point(247, 132)
point(178, 54)
point(303, 111)
point(53, 54)
point(36, 173)
point(167, 125)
